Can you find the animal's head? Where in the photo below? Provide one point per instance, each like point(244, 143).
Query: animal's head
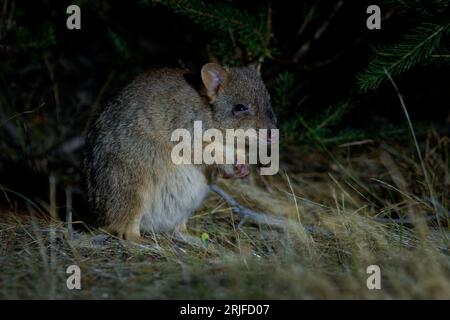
point(238, 97)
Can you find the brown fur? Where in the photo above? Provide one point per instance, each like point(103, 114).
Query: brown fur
point(127, 165)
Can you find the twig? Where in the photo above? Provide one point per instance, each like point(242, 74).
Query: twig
point(98, 99)
point(69, 213)
point(295, 198)
point(306, 20)
point(52, 196)
point(3, 12)
point(269, 22)
point(245, 213)
point(405, 221)
point(53, 214)
point(11, 129)
point(441, 214)
point(262, 218)
point(51, 72)
point(22, 113)
point(345, 51)
point(319, 32)
point(413, 134)
point(71, 145)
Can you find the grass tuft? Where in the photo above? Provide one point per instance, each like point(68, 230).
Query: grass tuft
point(371, 207)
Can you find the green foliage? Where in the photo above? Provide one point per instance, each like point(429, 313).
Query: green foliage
point(416, 48)
point(119, 44)
point(323, 129)
point(320, 129)
point(422, 7)
point(423, 45)
point(282, 88)
point(244, 37)
point(227, 49)
point(39, 39)
point(250, 32)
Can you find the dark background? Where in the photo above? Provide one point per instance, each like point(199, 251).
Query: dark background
point(53, 80)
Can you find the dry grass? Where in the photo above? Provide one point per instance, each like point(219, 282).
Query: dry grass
point(345, 201)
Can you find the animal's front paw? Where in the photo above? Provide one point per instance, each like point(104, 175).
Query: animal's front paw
point(242, 171)
point(239, 171)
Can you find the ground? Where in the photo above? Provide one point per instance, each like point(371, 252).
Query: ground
point(350, 207)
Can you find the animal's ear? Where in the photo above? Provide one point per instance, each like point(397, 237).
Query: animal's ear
point(214, 77)
point(256, 66)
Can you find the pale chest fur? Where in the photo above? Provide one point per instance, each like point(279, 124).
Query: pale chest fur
point(172, 202)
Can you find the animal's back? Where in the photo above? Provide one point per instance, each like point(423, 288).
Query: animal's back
point(132, 183)
point(127, 164)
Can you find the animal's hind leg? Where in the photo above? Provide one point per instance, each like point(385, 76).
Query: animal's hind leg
point(181, 228)
point(132, 230)
point(118, 196)
point(126, 224)
point(181, 233)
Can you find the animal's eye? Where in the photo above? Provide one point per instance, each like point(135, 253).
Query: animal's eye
point(239, 108)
